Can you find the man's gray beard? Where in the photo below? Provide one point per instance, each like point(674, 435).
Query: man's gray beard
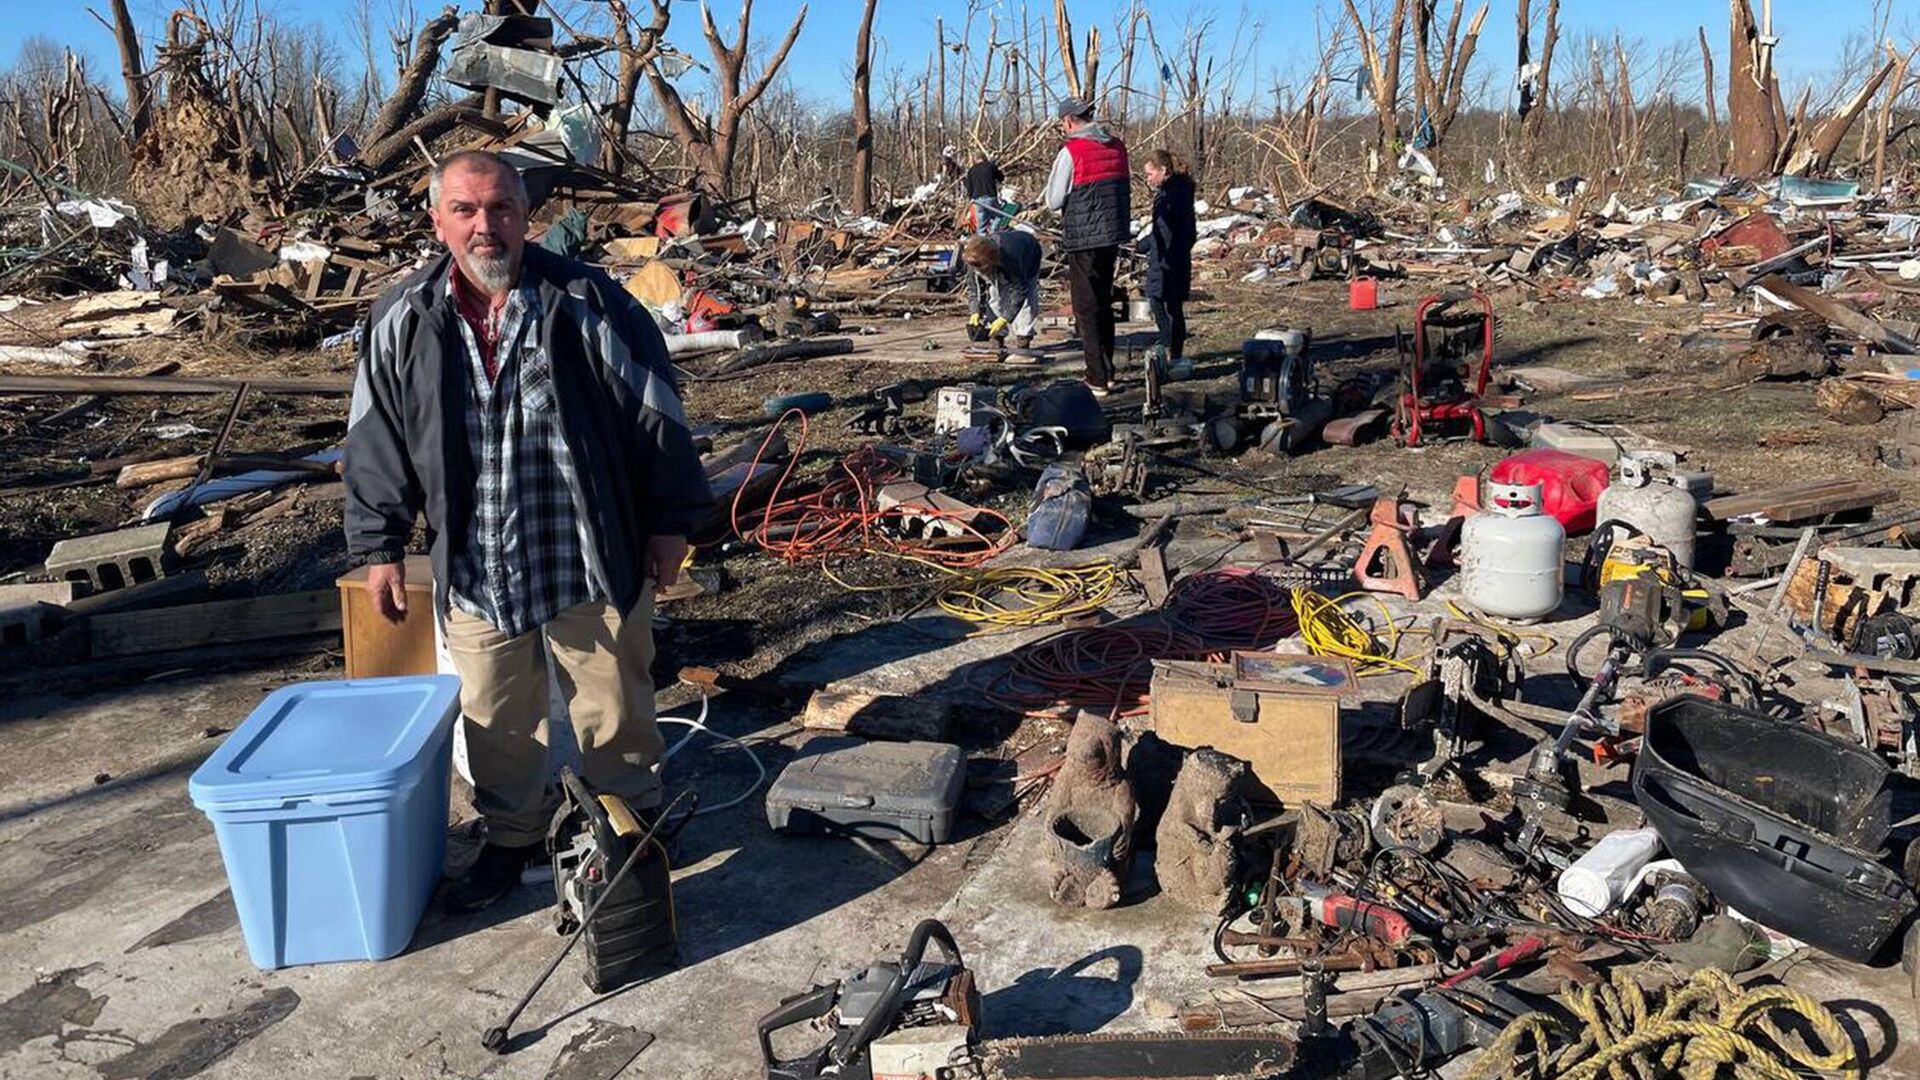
point(494, 274)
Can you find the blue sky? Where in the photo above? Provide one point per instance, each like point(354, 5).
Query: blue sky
point(1277, 33)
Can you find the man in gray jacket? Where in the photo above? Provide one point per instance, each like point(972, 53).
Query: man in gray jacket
point(524, 404)
point(1090, 186)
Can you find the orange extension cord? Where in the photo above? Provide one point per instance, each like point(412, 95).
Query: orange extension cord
point(841, 516)
point(1110, 668)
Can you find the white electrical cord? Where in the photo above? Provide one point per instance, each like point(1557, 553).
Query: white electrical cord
point(699, 724)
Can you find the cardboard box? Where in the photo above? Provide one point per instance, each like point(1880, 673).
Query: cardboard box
point(1278, 712)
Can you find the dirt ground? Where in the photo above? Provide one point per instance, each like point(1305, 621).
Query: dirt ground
point(1657, 373)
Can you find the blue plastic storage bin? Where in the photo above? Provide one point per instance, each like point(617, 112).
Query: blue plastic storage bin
point(330, 803)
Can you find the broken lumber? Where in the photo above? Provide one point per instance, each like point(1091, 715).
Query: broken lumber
point(1840, 315)
point(1798, 502)
point(217, 622)
point(877, 716)
point(148, 384)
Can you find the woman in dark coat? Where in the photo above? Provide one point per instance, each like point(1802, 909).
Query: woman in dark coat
point(1170, 253)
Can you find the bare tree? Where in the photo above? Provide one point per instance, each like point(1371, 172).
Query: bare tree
point(1536, 92)
point(637, 49)
point(1437, 94)
point(1382, 57)
point(863, 113)
point(711, 141)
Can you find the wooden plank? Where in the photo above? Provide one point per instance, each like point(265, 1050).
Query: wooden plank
point(1795, 502)
point(218, 622)
point(877, 716)
point(1281, 998)
point(152, 472)
point(146, 384)
point(1840, 315)
point(1153, 574)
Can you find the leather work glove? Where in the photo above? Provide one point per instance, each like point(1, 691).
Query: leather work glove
point(998, 329)
point(973, 319)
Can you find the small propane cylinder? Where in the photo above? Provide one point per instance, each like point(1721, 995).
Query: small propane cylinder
point(1648, 494)
point(1510, 555)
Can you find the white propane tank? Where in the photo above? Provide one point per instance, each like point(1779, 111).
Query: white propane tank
point(1653, 504)
point(1510, 555)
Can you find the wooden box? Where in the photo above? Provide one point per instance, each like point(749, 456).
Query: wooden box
point(377, 647)
point(1278, 712)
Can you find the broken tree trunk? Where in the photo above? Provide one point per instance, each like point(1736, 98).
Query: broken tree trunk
point(1063, 33)
point(1825, 139)
point(863, 113)
point(388, 152)
point(1754, 110)
point(132, 72)
point(411, 90)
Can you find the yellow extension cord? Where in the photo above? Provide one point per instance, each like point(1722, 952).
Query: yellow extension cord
point(1018, 596)
point(1009, 597)
point(1705, 1026)
point(1327, 628)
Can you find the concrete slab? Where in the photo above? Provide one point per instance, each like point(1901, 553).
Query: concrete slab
point(120, 955)
point(1049, 970)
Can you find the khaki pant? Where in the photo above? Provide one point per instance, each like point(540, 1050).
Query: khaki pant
point(602, 663)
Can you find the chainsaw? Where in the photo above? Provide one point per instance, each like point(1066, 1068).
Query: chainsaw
point(919, 1019)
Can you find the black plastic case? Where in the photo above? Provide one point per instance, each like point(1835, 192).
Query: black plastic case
point(882, 790)
point(1779, 820)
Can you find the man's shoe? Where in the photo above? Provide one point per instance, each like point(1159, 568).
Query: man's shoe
point(1100, 389)
point(493, 875)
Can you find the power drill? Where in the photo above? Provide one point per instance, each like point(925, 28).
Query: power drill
point(1409, 1036)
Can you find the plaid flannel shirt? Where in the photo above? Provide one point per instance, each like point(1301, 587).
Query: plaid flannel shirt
point(525, 557)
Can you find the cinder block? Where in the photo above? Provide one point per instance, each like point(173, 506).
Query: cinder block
point(112, 560)
point(24, 624)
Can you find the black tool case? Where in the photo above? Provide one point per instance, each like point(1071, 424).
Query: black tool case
point(882, 790)
point(1779, 820)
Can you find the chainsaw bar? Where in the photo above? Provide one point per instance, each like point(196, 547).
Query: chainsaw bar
point(1150, 1056)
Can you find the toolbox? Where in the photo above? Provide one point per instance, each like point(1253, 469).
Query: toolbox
point(1779, 820)
point(1278, 712)
point(881, 790)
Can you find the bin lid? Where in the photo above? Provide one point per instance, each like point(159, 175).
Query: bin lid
point(321, 738)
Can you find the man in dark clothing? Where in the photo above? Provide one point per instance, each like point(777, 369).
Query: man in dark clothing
point(524, 404)
point(1090, 186)
point(983, 193)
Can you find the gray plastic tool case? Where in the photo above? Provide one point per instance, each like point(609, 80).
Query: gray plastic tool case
point(882, 790)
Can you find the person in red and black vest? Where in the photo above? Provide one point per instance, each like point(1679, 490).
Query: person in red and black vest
point(1090, 187)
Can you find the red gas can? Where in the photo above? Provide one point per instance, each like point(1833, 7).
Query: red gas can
point(1363, 294)
point(1570, 485)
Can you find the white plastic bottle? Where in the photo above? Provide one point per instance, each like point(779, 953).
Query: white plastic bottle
point(1599, 880)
